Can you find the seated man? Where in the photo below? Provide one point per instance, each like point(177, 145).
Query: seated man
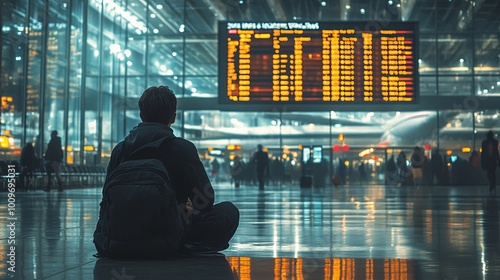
point(210, 225)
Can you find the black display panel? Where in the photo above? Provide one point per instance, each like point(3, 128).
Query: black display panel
point(318, 62)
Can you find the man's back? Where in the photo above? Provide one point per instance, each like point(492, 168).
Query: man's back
point(181, 160)
point(489, 153)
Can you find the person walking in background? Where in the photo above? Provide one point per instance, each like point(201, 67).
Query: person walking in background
point(436, 167)
point(236, 169)
point(417, 164)
point(261, 160)
point(402, 168)
point(490, 159)
point(28, 163)
point(391, 169)
point(53, 158)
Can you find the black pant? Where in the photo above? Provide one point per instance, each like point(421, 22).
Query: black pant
point(260, 178)
point(492, 177)
point(214, 227)
point(26, 176)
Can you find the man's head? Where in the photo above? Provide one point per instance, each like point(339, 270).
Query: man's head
point(259, 147)
point(158, 104)
point(53, 134)
point(489, 135)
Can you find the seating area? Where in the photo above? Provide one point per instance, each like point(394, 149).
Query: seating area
point(73, 176)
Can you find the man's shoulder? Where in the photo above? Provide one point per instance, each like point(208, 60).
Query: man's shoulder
point(179, 143)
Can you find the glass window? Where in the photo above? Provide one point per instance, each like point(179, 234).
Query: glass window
point(454, 54)
point(455, 132)
point(175, 83)
point(164, 17)
point(455, 85)
point(202, 18)
point(428, 85)
point(427, 54)
point(201, 87)
point(486, 16)
point(454, 16)
point(166, 56)
point(134, 58)
point(201, 55)
point(424, 13)
point(486, 57)
point(487, 85)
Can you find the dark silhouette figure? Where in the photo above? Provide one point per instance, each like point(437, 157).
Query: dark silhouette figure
point(391, 171)
point(436, 167)
point(402, 168)
point(417, 165)
point(475, 174)
point(28, 163)
point(362, 172)
point(261, 160)
point(490, 159)
point(236, 169)
point(209, 226)
point(214, 169)
point(53, 158)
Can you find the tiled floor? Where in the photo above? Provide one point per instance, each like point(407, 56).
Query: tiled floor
point(349, 232)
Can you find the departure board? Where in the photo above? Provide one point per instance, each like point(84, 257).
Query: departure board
point(318, 62)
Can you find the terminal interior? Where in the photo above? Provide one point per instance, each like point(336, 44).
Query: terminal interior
point(79, 67)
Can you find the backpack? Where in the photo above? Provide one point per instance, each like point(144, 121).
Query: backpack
point(139, 216)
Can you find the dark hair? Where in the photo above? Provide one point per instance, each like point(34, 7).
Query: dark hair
point(489, 135)
point(158, 104)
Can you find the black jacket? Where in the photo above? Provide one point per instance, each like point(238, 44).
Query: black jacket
point(489, 161)
point(54, 150)
point(180, 157)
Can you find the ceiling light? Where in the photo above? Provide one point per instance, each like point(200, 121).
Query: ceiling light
point(362, 11)
point(323, 3)
point(462, 60)
point(159, 6)
point(153, 15)
point(174, 54)
point(347, 7)
point(129, 63)
point(390, 2)
point(155, 31)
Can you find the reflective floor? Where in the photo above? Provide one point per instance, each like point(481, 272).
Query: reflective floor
point(349, 232)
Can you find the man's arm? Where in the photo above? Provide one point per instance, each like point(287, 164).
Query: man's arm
point(194, 177)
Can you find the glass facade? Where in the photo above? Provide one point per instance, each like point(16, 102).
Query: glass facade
point(79, 66)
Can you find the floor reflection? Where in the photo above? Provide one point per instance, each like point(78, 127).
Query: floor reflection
point(246, 268)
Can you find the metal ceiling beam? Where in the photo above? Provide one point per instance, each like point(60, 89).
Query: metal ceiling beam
point(277, 9)
point(220, 8)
